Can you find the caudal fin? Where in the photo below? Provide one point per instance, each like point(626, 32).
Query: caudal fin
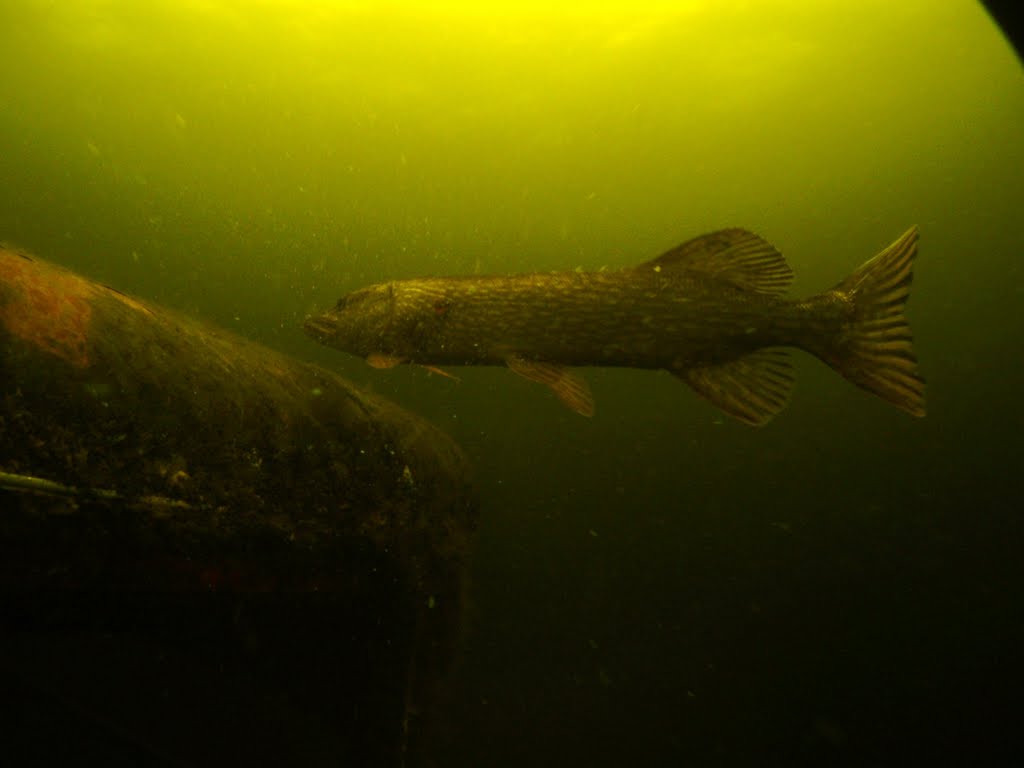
point(874, 349)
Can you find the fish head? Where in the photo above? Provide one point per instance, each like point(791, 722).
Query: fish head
point(361, 323)
point(388, 320)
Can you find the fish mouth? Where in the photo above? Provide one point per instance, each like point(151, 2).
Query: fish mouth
point(318, 326)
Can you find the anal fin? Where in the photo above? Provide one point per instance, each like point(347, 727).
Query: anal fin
point(752, 388)
point(569, 387)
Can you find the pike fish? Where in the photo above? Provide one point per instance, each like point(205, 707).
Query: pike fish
point(711, 312)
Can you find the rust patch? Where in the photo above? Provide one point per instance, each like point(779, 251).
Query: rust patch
point(48, 309)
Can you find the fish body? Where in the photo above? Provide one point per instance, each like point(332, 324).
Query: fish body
point(710, 311)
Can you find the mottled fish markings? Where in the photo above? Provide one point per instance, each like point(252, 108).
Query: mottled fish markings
point(711, 311)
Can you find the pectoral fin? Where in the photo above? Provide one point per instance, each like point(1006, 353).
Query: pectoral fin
point(440, 372)
point(569, 387)
point(381, 360)
point(752, 389)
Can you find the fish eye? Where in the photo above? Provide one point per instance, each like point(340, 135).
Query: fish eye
point(351, 299)
point(366, 296)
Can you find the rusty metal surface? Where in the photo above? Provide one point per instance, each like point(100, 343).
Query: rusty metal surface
point(145, 451)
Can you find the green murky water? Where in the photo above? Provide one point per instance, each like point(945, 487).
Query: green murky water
point(657, 585)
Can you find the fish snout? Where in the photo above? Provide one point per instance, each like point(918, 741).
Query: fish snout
point(318, 326)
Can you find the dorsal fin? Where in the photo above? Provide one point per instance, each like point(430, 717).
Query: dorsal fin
point(741, 257)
